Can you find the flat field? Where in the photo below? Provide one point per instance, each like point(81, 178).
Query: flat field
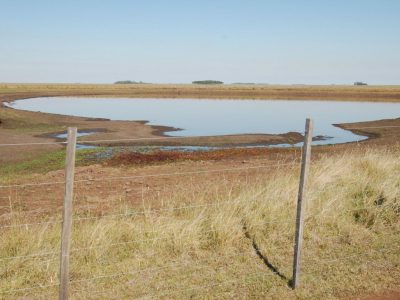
point(306, 92)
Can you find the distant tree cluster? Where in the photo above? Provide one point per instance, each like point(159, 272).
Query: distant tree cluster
point(128, 82)
point(360, 83)
point(207, 82)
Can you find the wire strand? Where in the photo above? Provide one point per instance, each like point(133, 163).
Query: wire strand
point(327, 261)
point(182, 173)
point(252, 199)
point(156, 269)
point(343, 236)
point(204, 286)
point(378, 207)
point(33, 144)
point(89, 218)
point(152, 269)
point(128, 242)
point(30, 224)
point(32, 184)
point(29, 288)
point(29, 255)
point(130, 214)
point(164, 238)
point(150, 175)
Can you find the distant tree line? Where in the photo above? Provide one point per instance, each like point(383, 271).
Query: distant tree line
point(360, 83)
point(243, 83)
point(128, 82)
point(207, 82)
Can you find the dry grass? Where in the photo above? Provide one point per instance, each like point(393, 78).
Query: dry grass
point(214, 250)
point(307, 92)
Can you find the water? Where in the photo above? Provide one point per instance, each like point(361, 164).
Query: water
point(197, 117)
point(64, 135)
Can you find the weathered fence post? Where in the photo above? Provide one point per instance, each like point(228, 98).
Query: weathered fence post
point(305, 163)
point(67, 213)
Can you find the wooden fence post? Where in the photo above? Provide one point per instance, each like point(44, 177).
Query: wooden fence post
point(305, 163)
point(67, 213)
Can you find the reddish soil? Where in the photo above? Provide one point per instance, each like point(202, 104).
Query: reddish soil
point(140, 179)
point(385, 295)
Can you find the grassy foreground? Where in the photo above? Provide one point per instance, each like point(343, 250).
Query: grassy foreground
point(221, 243)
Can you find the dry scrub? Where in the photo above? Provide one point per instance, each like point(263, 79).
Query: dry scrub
point(216, 243)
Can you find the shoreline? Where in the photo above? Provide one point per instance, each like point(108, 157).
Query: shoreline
point(163, 130)
point(289, 138)
point(23, 126)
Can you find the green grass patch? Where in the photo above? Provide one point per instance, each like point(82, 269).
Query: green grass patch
point(11, 119)
point(45, 163)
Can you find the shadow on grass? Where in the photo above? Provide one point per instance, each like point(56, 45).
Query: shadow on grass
point(264, 259)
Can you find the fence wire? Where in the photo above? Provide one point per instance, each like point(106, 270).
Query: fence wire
point(150, 175)
point(202, 287)
point(343, 258)
point(129, 214)
point(150, 211)
point(206, 286)
point(107, 276)
point(40, 254)
point(120, 274)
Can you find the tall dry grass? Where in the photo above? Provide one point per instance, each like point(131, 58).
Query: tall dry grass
point(222, 243)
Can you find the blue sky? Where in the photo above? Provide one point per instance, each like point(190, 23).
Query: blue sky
point(280, 41)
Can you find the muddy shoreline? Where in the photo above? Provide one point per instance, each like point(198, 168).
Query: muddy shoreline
point(161, 131)
point(21, 126)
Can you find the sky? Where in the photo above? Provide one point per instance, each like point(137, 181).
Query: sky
point(171, 41)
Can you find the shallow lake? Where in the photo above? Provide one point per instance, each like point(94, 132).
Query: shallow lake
point(198, 117)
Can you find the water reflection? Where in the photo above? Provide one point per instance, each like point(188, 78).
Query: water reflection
point(196, 117)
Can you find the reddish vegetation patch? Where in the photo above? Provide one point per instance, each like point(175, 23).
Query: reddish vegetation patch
point(135, 158)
